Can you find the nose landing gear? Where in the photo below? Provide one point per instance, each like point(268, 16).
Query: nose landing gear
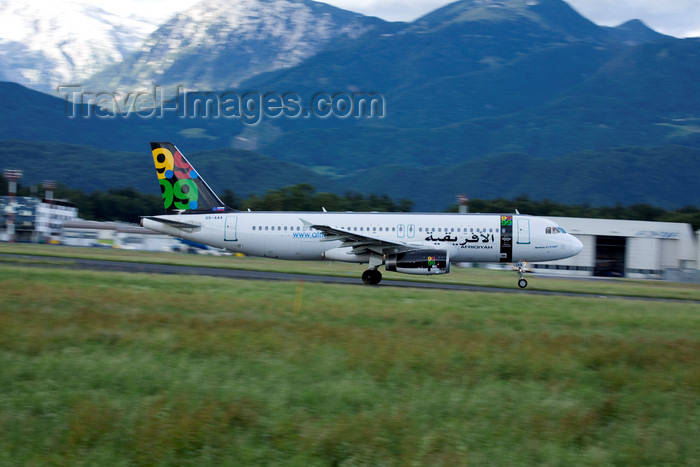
point(522, 283)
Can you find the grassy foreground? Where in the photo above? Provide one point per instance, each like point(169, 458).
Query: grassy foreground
point(129, 369)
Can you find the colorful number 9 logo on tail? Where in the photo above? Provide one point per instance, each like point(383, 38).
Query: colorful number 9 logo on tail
point(176, 180)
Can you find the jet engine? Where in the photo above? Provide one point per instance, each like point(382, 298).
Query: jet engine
point(424, 262)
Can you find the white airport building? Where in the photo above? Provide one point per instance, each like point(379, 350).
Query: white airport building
point(34, 220)
point(629, 248)
point(115, 235)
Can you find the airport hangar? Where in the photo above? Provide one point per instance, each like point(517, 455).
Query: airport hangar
point(629, 248)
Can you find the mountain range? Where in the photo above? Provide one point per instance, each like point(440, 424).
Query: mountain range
point(47, 44)
point(216, 44)
point(477, 78)
point(480, 96)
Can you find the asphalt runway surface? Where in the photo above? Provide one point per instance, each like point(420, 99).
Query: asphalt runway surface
point(152, 268)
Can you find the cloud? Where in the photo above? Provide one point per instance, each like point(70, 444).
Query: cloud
point(680, 18)
point(391, 10)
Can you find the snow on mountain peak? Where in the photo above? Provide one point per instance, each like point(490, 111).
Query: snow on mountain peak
point(216, 44)
point(46, 44)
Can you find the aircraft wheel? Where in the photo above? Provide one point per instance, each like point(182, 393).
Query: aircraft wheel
point(371, 277)
point(522, 283)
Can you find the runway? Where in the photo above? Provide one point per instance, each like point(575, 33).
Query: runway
point(154, 268)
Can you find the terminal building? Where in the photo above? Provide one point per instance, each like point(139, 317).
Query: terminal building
point(35, 220)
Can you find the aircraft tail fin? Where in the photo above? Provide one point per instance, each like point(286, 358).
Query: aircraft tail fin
point(183, 189)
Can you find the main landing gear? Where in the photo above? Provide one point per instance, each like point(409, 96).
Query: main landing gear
point(372, 277)
point(522, 283)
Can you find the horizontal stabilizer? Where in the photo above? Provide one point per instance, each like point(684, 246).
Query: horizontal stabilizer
point(175, 224)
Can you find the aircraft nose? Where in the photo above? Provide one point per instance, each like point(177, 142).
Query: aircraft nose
point(576, 245)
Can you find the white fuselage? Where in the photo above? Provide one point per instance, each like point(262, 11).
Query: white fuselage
point(466, 237)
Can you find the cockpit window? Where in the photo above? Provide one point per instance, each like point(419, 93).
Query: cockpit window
point(554, 230)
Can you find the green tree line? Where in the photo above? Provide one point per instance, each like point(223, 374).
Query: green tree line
point(641, 212)
point(128, 205)
point(304, 197)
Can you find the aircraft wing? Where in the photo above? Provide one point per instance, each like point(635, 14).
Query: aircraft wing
point(360, 243)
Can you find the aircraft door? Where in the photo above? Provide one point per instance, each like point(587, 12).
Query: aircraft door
point(524, 231)
point(410, 230)
point(401, 231)
point(230, 229)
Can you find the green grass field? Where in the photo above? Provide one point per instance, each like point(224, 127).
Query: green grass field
point(104, 368)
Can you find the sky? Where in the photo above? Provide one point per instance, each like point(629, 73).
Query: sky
point(680, 18)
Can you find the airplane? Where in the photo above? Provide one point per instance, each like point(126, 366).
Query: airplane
point(409, 243)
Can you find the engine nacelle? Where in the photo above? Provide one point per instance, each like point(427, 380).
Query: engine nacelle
point(424, 262)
